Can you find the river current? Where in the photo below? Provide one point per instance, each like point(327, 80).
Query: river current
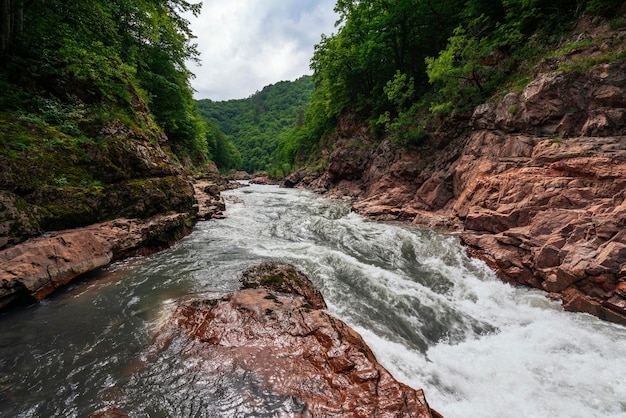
point(435, 319)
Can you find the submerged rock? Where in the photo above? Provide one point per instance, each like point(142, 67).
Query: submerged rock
point(275, 330)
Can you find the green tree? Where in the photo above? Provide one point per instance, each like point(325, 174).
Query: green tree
point(112, 56)
point(389, 59)
point(376, 40)
point(460, 72)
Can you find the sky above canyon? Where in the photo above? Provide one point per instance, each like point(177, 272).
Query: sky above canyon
point(246, 45)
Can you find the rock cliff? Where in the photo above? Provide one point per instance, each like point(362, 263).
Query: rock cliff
point(535, 183)
point(276, 330)
point(544, 188)
point(52, 182)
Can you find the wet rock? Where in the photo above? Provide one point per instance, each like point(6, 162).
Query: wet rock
point(276, 331)
point(240, 175)
point(209, 201)
point(34, 269)
point(264, 179)
point(295, 178)
point(109, 413)
point(284, 278)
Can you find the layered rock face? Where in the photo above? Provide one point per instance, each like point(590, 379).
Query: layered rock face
point(34, 269)
point(538, 188)
point(277, 330)
point(31, 270)
point(542, 188)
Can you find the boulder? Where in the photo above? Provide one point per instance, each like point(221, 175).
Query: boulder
point(275, 330)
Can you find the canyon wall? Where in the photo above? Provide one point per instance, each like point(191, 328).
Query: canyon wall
point(534, 183)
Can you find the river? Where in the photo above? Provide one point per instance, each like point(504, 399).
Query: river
point(435, 319)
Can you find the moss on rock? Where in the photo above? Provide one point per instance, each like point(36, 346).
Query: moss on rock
point(283, 278)
point(62, 182)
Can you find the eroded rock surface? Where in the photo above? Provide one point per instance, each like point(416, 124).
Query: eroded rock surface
point(207, 193)
point(542, 190)
point(34, 269)
point(276, 330)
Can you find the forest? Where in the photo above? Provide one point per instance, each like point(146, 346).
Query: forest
point(256, 125)
point(405, 64)
point(73, 67)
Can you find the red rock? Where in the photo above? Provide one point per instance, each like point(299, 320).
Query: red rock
point(548, 256)
point(616, 303)
point(284, 278)
point(612, 255)
point(547, 164)
point(609, 96)
point(556, 283)
point(209, 202)
point(575, 301)
point(37, 267)
point(276, 332)
point(110, 413)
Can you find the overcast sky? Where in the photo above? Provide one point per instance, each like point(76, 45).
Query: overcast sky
point(246, 45)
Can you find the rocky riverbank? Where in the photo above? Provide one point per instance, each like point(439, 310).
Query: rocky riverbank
point(534, 183)
point(31, 270)
point(68, 207)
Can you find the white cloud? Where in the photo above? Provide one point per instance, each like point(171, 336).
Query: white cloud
point(247, 44)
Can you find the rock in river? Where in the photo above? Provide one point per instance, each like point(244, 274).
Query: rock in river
point(277, 330)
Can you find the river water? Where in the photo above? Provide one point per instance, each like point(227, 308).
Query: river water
point(434, 318)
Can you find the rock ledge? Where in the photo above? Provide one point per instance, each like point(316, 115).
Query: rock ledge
point(34, 269)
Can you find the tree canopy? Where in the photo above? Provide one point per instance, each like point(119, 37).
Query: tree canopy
point(392, 59)
point(110, 59)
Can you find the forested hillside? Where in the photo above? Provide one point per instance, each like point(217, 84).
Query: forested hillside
point(406, 65)
point(75, 67)
point(257, 124)
point(97, 118)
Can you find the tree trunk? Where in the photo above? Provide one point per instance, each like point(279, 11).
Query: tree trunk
point(5, 25)
point(476, 79)
point(18, 19)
